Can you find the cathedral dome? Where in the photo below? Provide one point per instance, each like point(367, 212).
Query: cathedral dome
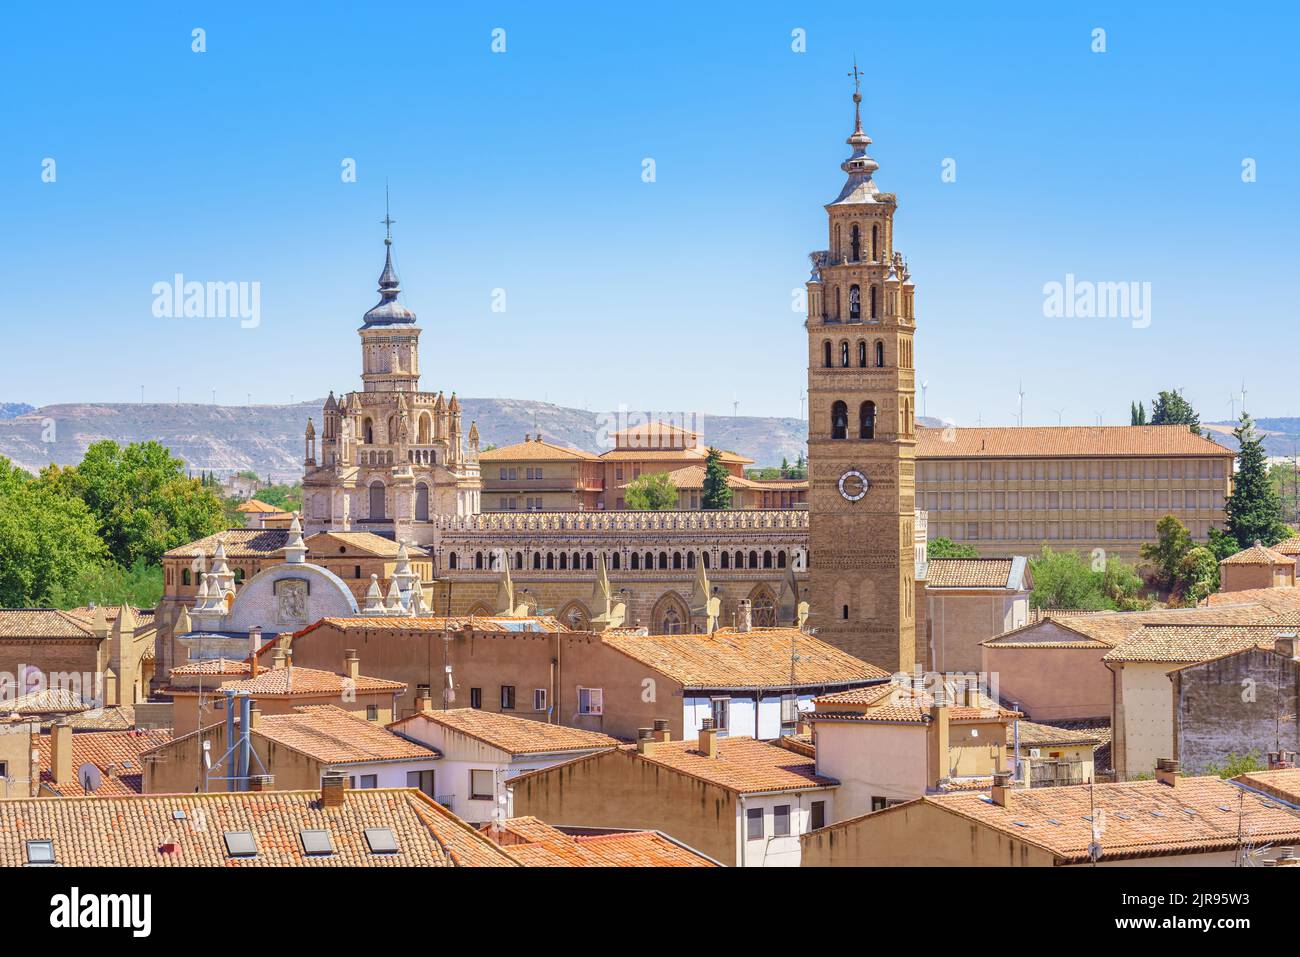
point(388, 311)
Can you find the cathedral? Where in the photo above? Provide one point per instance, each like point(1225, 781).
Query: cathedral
point(395, 461)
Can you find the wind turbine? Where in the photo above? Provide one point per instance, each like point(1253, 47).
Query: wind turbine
point(925, 409)
point(1059, 413)
point(1020, 408)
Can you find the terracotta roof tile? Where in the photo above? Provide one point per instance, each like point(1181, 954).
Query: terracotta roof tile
point(257, 505)
point(1258, 554)
point(1183, 644)
point(536, 844)
point(160, 830)
point(1034, 735)
point(213, 666)
point(239, 543)
point(969, 572)
point(1063, 442)
point(1108, 629)
point(334, 736)
point(743, 765)
point(115, 753)
point(1282, 783)
point(545, 624)
point(511, 733)
point(759, 658)
point(295, 680)
point(532, 451)
point(41, 623)
point(899, 702)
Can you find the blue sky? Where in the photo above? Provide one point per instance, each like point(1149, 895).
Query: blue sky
point(521, 171)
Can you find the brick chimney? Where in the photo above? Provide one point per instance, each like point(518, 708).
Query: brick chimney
point(351, 664)
point(1001, 791)
point(708, 741)
point(1167, 771)
point(1285, 645)
point(744, 615)
point(261, 782)
point(277, 658)
point(938, 739)
point(333, 790)
point(61, 753)
point(254, 714)
point(645, 741)
point(661, 732)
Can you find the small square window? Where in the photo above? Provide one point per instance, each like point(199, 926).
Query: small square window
point(40, 852)
point(240, 844)
point(381, 840)
point(539, 699)
point(476, 698)
point(781, 820)
point(754, 824)
point(369, 782)
point(372, 712)
point(316, 842)
point(507, 697)
point(482, 784)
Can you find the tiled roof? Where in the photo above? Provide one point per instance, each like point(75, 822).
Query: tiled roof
point(41, 623)
point(656, 432)
point(1289, 547)
point(511, 733)
point(144, 617)
point(1275, 600)
point(1063, 442)
point(213, 666)
point(743, 765)
point(899, 702)
point(759, 658)
point(257, 505)
point(699, 453)
point(1108, 629)
point(365, 542)
point(334, 736)
point(1034, 735)
point(534, 843)
point(1142, 818)
point(1283, 783)
point(239, 542)
point(970, 573)
point(295, 680)
point(50, 700)
point(1258, 554)
point(544, 623)
point(532, 451)
point(115, 753)
point(1193, 643)
point(692, 477)
point(164, 830)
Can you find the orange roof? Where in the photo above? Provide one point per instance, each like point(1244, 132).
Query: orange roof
point(759, 658)
point(1142, 818)
point(512, 734)
point(334, 736)
point(1033, 735)
point(534, 843)
point(898, 702)
point(1282, 783)
point(239, 543)
point(1189, 644)
point(1063, 442)
point(1289, 547)
point(542, 623)
point(535, 451)
point(213, 666)
point(115, 753)
point(1108, 629)
point(743, 765)
point(1258, 554)
point(1275, 600)
point(159, 830)
point(257, 505)
point(972, 573)
point(294, 680)
point(41, 623)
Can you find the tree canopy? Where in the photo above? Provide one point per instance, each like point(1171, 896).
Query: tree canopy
point(651, 491)
point(947, 548)
point(1067, 580)
point(717, 487)
point(1254, 509)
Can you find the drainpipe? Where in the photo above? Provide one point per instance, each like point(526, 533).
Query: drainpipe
point(1015, 736)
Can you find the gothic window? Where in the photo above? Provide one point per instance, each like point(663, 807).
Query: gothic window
point(421, 502)
point(837, 303)
point(839, 421)
point(875, 243)
point(422, 433)
point(855, 302)
point(185, 576)
point(867, 421)
point(855, 243)
point(873, 302)
point(377, 500)
point(880, 354)
point(615, 560)
point(763, 610)
point(862, 354)
point(826, 353)
point(368, 430)
point(726, 559)
point(672, 623)
point(636, 561)
point(453, 560)
point(844, 354)
point(537, 561)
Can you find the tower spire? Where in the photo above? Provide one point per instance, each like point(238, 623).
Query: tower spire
point(859, 188)
point(388, 310)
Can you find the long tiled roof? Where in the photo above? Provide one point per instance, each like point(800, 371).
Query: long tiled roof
point(1282, 783)
point(743, 765)
point(1258, 554)
point(1142, 818)
point(1181, 644)
point(49, 700)
point(1289, 547)
point(41, 623)
point(511, 733)
point(366, 542)
point(532, 451)
point(544, 623)
point(160, 830)
point(333, 736)
point(239, 543)
point(1275, 600)
point(214, 666)
point(901, 703)
point(534, 843)
point(1033, 735)
point(115, 753)
point(760, 658)
point(294, 680)
point(970, 573)
point(1063, 442)
point(257, 505)
point(1108, 629)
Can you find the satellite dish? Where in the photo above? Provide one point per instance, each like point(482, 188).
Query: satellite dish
point(90, 777)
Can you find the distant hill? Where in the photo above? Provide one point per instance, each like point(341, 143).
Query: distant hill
point(9, 410)
point(1281, 435)
point(268, 439)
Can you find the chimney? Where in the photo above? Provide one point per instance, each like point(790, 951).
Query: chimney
point(527, 437)
point(661, 730)
point(1285, 645)
point(744, 615)
point(261, 782)
point(254, 643)
point(1167, 771)
point(333, 790)
point(1001, 790)
point(1279, 760)
point(708, 742)
point(938, 739)
point(277, 658)
point(351, 664)
point(645, 741)
point(61, 752)
point(254, 713)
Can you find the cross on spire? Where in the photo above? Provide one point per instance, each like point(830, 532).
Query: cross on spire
point(857, 76)
point(857, 95)
point(388, 219)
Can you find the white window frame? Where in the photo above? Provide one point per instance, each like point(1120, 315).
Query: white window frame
point(724, 725)
point(539, 699)
point(595, 701)
point(475, 795)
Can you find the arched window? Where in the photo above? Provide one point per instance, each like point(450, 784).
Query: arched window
point(867, 421)
point(550, 561)
point(845, 613)
point(649, 561)
point(826, 353)
point(767, 559)
point(663, 560)
point(855, 243)
point(677, 561)
point(185, 576)
point(704, 557)
point(862, 354)
point(368, 430)
point(537, 561)
point(763, 607)
point(636, 561)
point(880, 354)
point(839, 421)
point(519, 559)
point(615, 560)
point(726, 560)
point(690, 559)
point(478, 561)
point(591, 561)
point(753, 559)
point(377, 500)
point(453, 560)
point(844, 354)
point(564, 561)
point(672, 623)
point(780, 559)
point(422, 432)
point(855, 302)
point(873, 302)
point(421, 502)
point(740, 560)
point(875, 244)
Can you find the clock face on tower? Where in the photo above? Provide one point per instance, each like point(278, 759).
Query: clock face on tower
point(853, 485)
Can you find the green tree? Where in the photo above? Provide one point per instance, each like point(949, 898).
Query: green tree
point(1286, 479)
point(947, 548)
point(141, 586)
point(717, 486)
point(1170, 408)
point(1254, 509)
point(651, 491)
point(1137, 414)
point(1198, 574)
point(1066, 580)
point(140, 497)
point(286, 497)
point(1173, 542)
point(1234, 764)
point(47, 540)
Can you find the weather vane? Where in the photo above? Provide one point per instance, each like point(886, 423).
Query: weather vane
point(388, 219)
point(857, 76)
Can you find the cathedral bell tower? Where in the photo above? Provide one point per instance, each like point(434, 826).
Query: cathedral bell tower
point(861, 428)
